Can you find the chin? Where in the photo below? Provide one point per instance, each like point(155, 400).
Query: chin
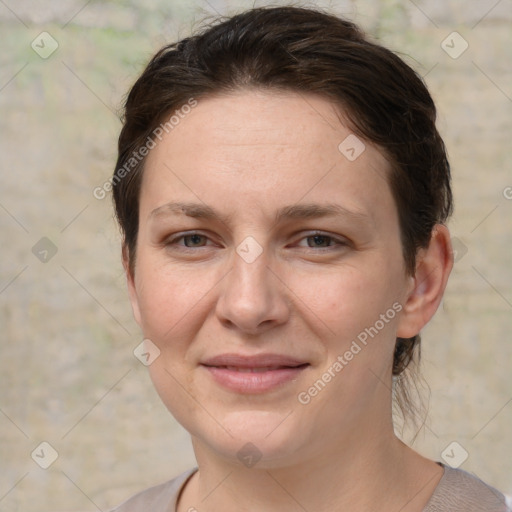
point(266, 427)
point(253, 437)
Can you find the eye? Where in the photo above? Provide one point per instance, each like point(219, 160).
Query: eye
point(194, 240)
point(189, 240)
point(321, 241)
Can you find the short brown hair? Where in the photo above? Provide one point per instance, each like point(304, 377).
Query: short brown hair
point(306, 51)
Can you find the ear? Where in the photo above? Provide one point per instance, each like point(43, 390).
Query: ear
point(433, 267)
point(130, 281)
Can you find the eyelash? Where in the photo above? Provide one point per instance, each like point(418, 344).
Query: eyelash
point(336, 242)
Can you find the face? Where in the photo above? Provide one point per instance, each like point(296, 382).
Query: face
point(270, 276)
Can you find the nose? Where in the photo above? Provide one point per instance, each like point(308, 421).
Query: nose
point(252, 297)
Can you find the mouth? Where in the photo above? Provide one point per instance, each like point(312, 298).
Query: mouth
point(254, 374)
point(258, 369)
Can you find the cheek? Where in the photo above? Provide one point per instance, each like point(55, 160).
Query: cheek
point(170, 300)
point(346, 300)
point(177, 391)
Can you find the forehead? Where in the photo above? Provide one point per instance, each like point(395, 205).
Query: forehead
point(269, 148)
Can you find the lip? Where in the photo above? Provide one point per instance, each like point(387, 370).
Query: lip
point(254, 374)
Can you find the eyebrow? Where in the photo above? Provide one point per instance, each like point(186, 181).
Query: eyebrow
point(294, 211)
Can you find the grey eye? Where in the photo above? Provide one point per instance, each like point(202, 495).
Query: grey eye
point(319, 241)
point(194, 240)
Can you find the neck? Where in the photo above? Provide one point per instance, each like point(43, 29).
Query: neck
point(366, 469)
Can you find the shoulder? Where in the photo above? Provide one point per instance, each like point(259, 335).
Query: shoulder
point(160, 498)
point(459, 491)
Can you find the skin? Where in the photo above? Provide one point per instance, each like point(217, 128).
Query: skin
point(247, 155)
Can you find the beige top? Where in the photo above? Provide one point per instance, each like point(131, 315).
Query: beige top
point(457, 491)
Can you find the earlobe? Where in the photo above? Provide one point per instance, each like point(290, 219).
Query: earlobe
point(433, 267)
point(130, 281)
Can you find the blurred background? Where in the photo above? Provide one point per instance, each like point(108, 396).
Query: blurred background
point(68, 375)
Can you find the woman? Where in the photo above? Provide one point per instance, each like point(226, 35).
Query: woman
point(283, 191)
